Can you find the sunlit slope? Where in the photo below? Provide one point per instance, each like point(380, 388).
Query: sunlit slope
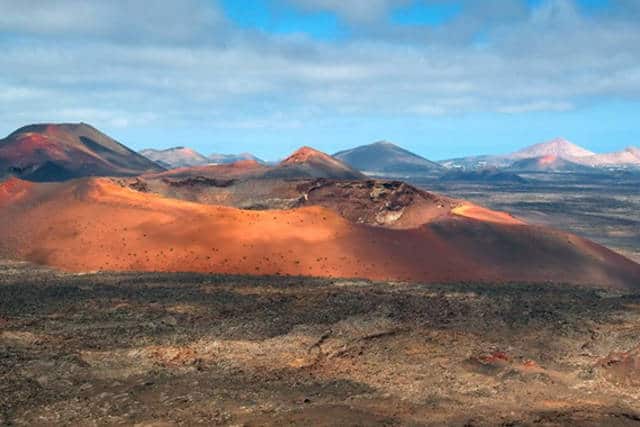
point(95, 224)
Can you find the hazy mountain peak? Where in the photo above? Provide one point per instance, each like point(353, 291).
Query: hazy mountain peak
point(175, 157)
point(630, 156)
point(218, 158)
point(633, 150)
point(559, 147)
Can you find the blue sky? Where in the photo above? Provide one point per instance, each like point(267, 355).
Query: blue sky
point(442, 78)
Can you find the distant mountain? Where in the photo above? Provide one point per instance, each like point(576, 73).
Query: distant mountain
point(484, 176)
point(232, 158)
point(176, 157)
point(311, 163)
point(630, 156)
point(548, 163)
point(57, 152)
point(386, 158)
point(558, 147)
point(305, 163)
point(555, 155)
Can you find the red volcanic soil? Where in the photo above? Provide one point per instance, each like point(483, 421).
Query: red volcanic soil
point(96, 224)
point(29, 144)
point(547, 160)
point(305, 154)
point(469, 210)
point(308, 162)
point(12, 190)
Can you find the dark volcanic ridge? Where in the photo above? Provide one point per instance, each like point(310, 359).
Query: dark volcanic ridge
point(387, 159)
point(392, 204)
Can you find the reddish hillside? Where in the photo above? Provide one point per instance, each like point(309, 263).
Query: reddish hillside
point(56, 152)
point(305, 163)
point(310, 163)
point(94, 224)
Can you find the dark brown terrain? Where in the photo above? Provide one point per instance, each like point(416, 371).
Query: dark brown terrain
point(183, 349)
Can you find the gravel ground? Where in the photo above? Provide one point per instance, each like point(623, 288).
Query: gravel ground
point(186, 349)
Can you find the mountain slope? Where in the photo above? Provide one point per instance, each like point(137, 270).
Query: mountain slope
point(630, 156)
point(558, 147)
point(97, 224)
point(305, 163)
point(54, 152)
point(548, 163)
point(176, 157)
point(308, 162)
point(387, 158)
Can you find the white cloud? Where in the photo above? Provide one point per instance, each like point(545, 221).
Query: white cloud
point(535, 106)
point(130, 20)
point(186, 64)
point(356, 11)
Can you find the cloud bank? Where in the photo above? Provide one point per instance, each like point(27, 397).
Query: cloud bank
point(130, 63)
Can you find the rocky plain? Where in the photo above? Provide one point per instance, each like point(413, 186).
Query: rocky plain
point(161, 349)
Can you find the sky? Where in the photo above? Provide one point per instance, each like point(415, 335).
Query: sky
point(441, 78)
